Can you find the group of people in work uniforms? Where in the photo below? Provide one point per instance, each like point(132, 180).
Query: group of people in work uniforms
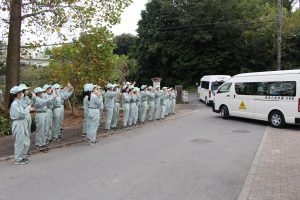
point(47, 103)
point(137, 105)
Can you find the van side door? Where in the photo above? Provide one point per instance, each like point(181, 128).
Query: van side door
point(243, 99)
point(224, 96)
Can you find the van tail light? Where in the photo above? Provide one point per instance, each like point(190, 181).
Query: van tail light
point(209, 95)
point(298, 105)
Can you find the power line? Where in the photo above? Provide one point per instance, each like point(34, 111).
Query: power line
point(210, 24)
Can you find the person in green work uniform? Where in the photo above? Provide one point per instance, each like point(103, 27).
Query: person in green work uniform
point(86, 94)
point(126, 97)
point(144, 103)
point(174, 95)
point(101, 105)
point(19, 125)
point(47, 95)
point(132, 105)
point(25, 103)
point(40, 105)
point(114, 123)
point(158, 95)
point(136, 91)
point(56, 112)
point(151, 97)
point(163, 103)
point(109, 103)
point(93, 114)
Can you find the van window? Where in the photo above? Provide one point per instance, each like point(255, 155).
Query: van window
point(205, 84)
point(215, 85)
point(279, 88)
point(245, 88)
point(225, 88)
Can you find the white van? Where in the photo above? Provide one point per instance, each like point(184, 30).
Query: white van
point(272, 96)
point(208, 85)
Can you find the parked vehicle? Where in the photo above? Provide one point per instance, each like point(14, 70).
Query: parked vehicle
point(209, 85)
point(272, 96)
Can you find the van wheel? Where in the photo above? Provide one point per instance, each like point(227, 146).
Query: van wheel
point(224, 112)
point(276, 119)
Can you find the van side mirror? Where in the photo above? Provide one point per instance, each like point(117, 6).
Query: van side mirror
point(197, 83)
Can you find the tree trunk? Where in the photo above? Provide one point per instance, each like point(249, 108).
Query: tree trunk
point(13, 48)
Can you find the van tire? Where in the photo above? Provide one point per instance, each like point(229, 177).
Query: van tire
point(224, 112)
point(276, 119)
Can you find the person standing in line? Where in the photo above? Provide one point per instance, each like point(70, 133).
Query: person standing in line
point(25, 101)
point(132, 106)
point(65, 94)
point(114, 123)
point(167, 100)
point(40, 105)
point(151, 96)
point(93, 114)
point(18, 116)
point(171, 100)
point(101, 106)
point(157, 100)
point(137, 107)
point(109, 103)
point(144, 106)
point(86, 94)
point(47, 95)
point(163, 103)
point(174, 92)
point(126, 97)
point(56, 113)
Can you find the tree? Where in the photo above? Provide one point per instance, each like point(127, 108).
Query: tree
point(125, 47)
point(89, 59)
point(180, 41)
point(125, 44)
point(50, 16)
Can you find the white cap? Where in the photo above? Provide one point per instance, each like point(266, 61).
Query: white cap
point(109, 86)
point(24, 87)
point(38, 90)
point(45, 87)
point(16, 89)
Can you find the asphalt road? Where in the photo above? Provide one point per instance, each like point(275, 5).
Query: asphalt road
point(194, 157)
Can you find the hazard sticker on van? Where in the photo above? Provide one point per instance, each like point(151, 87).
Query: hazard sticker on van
point(242, 106)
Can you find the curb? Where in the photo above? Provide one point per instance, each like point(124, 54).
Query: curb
point(98, 136)
point(245, 191)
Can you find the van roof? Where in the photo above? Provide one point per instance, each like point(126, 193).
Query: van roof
point(266, 73)
point(213, 75)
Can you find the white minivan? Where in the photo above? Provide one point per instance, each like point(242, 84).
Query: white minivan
point(272, 96)
point(208, 85)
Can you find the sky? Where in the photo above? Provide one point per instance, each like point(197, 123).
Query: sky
point(130, 18)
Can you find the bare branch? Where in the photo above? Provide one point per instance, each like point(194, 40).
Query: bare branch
point(5, 21)
point(36, 13)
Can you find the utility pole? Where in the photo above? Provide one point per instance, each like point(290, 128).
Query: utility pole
point(279, 34)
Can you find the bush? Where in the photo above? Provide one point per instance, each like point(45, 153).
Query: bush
point(5, 125)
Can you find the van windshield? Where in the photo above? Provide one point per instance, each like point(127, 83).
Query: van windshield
point(215, 85)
